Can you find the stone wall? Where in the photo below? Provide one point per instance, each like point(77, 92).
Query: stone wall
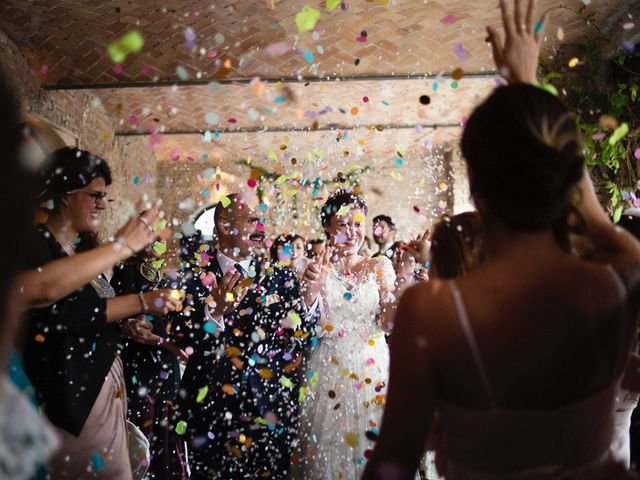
point(81, 113)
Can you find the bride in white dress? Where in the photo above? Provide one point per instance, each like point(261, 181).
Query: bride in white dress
point(346, 374)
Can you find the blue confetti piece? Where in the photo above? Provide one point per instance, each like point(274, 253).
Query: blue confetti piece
point(281, 99)
point(209, 327)
point(435, 86)
point(399, 162)
point(308, 56)
point(538, 28)
point(97, 461)
point(136, 180)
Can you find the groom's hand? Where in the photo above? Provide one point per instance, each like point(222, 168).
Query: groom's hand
point(228, 294)
point(315, 276)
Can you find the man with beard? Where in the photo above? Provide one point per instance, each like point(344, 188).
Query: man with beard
point(248, 325)
point(384, 234)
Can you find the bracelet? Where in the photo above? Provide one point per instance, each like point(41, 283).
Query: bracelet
point(143, 303)
point(121, 242)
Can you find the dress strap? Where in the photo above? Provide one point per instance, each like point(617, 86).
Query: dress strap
point(463, 318)
point(621, 291)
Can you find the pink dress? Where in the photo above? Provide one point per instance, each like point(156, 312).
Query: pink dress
point(571, 441)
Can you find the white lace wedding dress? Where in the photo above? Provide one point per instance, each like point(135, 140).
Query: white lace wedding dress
point(346, 376)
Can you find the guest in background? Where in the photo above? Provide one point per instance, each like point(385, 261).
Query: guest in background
point(288, 251)
point(384, 235)
point(315, 247)
point(456, 245)
point(152, 370)
point(71, 348)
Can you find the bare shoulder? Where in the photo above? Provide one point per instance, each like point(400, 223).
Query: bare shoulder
point(424, 304)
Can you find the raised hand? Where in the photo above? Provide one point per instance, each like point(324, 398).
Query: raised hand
point(420, 247)
point(163, 301)
point(315, 276)
point(137, 234)
point(228, 294)
point(517, 57)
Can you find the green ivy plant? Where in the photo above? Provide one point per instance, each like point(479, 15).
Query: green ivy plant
point(604, 94)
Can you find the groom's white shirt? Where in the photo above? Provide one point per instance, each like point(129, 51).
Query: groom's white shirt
point(227, 264)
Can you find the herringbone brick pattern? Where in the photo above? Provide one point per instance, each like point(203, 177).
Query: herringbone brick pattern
point(403, 37)
point(295, 105)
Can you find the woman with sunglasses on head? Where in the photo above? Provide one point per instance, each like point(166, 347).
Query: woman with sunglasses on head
point(522, 356)
point(70, 348)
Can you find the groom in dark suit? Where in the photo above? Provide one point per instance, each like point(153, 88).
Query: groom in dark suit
point(248, 324)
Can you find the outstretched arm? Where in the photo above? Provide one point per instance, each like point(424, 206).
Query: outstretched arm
point(411, 399)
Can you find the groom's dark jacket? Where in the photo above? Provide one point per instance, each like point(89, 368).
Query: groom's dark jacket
point(244, 377)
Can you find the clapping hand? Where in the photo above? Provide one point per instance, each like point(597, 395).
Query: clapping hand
point(138, 328)
point(163, 301)
point(517, 57)
point(315, 276)
point(420, 247)
point(227, 294)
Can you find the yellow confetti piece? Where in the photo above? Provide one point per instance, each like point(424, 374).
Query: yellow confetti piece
point(176, 294)
point(332, 5)
point(272, 156)
point(573, 62)
point(371, 342)
point(359, 217)
point(202, 393)
point(351, 439)
point(307, 18)
point(224, 200)
point(396, 176)
point(230, 297)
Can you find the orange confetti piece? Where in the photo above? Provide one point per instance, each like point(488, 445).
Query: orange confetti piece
point(228, 389)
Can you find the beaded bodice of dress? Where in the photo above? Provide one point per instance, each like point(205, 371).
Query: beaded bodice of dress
point(352, 302)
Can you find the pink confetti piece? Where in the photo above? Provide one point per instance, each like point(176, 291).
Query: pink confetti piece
point(44, 69)
point(117, 69)
point(449, 19)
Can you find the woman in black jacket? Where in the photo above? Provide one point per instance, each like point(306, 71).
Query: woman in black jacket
point(71, 347)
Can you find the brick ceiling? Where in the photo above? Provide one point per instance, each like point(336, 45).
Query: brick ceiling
point(403, 37)
point(253, 84)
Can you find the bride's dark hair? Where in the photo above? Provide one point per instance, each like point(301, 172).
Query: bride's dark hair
point(337, 200)
point(523, 151)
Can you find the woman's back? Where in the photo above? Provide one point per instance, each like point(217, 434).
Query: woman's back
point(528, 369)
point(548, 334)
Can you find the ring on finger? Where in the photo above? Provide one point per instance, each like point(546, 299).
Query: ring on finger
point(146, 223)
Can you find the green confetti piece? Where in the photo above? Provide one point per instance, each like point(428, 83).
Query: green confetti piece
point(130, 42)
point(157, 263)
point(343, 211)
point(618, 133)
point(160, 247)
point(273, 156)
point(181, 427)
point(400, 150)
point(285, 382)
point(281, 179)
point(332, 5)
point(307, 18)
point(396, 176)
point(224, 200)
point(202, 393)
point(313, 380)
point(260, 421)
point(160, 224)
point(295, 319)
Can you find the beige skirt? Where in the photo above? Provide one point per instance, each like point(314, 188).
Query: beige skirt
point(101, 450)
